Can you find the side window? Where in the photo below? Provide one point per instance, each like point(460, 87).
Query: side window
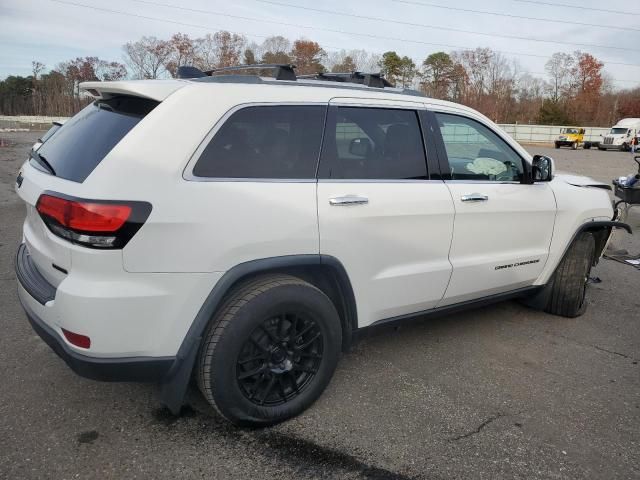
point(477, 153)
point(280, 141)
point(374, 143)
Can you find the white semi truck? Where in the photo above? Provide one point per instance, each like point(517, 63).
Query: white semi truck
point(620, 135)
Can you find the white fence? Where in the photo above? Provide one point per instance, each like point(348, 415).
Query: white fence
point(31, 119)
point(548, 133)
point(21, 123)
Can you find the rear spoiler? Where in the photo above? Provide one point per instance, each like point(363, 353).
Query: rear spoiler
point(156, 90)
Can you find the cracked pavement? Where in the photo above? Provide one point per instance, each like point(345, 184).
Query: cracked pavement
point(498, 392)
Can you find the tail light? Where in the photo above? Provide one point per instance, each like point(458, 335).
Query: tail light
point(92, 223)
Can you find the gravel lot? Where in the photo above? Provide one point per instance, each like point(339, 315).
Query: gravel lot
point(503, 391)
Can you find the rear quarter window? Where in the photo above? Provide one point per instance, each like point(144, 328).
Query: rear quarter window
point(277, 142)
point(82, 142)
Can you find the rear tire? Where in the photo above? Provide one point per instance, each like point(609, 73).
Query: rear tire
point(557, 145)
point(567, 295)
point(574, 146)
point(269, 351)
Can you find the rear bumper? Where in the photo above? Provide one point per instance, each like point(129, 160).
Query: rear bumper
point(34, 287)
point(136, 369)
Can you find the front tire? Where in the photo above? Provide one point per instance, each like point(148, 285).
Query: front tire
point(574, 146)
point(270, 351)
point(568, 286)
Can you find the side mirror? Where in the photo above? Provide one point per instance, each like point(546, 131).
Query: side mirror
point(360, 147)
point(542, 168)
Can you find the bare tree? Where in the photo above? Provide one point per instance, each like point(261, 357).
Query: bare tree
point(110, 71)
point(273, 50)
point(147, 57)
point(207, 54)
point(36, 69)
point(559, 69)
point(276, 45)
point(229, 48)
point(365, 61)
point(476, 64)
point(182, 51)
point(222, 49)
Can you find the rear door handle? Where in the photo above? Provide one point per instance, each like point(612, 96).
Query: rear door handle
point(474, 197)
point(347, 200)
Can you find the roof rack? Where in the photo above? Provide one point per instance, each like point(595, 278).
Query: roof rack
point(374, 80)
point(282, 71)
point(285, 74)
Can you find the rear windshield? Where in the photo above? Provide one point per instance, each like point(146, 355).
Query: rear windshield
point(50, 132)
point(84, 140)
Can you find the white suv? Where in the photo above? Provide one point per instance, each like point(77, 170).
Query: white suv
point(240, 230)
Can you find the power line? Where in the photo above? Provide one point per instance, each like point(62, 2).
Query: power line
point(345, 32)
point(581, 7)
point(449, 29)
point(508, 15)
point(208, 28)
point(128, 14)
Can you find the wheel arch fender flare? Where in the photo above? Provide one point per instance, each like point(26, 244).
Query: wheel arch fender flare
point(174, 386)
point(540, 299)
point(604, 226)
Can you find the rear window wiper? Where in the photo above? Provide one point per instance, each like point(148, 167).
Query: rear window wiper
point(42, 162)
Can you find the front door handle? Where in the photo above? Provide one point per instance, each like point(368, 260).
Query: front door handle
point(347, 200)
point(474, 197)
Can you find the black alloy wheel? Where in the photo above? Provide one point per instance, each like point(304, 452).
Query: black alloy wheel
point(270, 350)
point(279, 359)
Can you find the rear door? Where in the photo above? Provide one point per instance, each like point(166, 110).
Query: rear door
point(503, 227)
point(380, 212)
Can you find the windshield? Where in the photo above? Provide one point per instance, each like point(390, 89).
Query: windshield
point(619, 131)
point(82, 142)
point(569, 130)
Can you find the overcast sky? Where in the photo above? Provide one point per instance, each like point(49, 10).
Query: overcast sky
point(55, 30)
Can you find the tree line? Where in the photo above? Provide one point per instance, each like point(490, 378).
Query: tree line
point(577, 89)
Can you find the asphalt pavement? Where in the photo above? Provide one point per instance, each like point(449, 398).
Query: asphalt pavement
point(499, 392)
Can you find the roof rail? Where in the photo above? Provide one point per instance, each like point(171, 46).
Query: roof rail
point(284, 71)
point(375, 80)
point(353, 80)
